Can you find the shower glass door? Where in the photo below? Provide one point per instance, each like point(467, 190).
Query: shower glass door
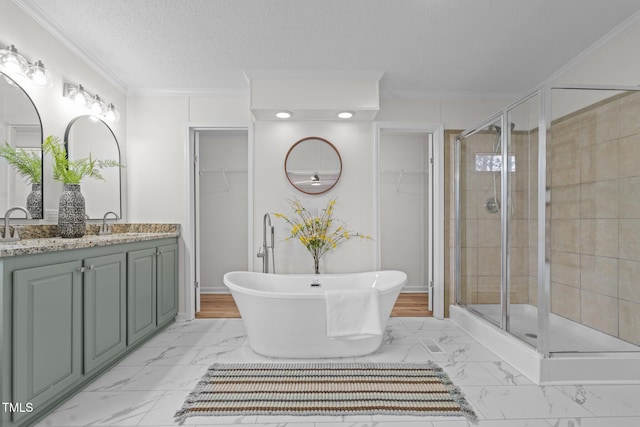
point(479, 231)
point(521, 216)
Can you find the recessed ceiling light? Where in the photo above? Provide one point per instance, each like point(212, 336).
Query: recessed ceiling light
point(346, 114)
point(284, 114)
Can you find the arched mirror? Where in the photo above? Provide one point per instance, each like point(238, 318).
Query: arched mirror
point(21, 129)
point(313, 165)
point(88, 135)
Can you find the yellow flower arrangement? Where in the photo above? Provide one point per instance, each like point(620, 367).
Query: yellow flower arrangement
point(315, 232)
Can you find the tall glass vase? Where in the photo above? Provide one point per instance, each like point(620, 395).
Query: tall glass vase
point(72, 222)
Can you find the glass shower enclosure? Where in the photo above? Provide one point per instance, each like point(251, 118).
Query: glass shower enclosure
point(547, 224)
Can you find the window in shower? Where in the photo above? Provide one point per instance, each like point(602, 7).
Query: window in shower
point(406, 192)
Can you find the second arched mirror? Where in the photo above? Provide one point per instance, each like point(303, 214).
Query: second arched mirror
point(89, 136)
point(313, 165)
point(21, 141)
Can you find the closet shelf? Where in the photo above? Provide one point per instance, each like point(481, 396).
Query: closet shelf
point(401, 173)
point(224, 173)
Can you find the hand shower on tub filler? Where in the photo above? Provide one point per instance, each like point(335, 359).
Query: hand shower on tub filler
point(263, 252)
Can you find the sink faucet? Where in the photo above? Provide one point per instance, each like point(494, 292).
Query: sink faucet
point(106, 228)
point(7, 234)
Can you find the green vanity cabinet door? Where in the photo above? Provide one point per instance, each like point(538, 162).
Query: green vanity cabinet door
point(167, 286)
point(47, 332)
point(141, 290)
point(105, 309)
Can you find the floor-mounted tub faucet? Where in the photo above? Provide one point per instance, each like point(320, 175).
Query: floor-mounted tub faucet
point(264, 249)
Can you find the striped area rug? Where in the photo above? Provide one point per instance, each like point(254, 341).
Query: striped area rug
point(325, 389)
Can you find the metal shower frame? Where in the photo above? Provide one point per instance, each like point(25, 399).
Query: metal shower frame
point(544, 206)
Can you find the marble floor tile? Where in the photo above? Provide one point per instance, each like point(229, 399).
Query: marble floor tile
point(118, 408)
point(150, 384)
point(596, 422)
point(606, 401)
point(522, 402)
point(182, 377)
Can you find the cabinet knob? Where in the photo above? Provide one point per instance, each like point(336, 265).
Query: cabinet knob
point(80, 269)
point(158, 253)
point(92, 267)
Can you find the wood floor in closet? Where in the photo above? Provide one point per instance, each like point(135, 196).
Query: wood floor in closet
point(222, 306)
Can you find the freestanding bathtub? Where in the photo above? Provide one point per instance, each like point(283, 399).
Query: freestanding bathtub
point(285, 314)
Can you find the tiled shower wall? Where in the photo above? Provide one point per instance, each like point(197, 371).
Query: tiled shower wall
point(480, 229)
point(594, 163)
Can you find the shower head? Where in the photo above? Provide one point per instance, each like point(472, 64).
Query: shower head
point(498, 129)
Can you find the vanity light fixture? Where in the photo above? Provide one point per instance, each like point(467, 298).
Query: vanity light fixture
point(284, 114)
point(39, 75)
point(93, 103)
point(97, 107)
point(13, 63)
point(346, 114)
point(77, 94)
point(315, 179)
point(112, 115)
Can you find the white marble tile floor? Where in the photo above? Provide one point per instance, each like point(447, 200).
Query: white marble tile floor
point(148, 386)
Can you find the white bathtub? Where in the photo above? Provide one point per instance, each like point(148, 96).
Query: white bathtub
point(285, 316)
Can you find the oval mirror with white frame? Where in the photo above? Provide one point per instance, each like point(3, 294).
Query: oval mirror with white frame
point(21, 128)
point(313, 165)
point(88, 135)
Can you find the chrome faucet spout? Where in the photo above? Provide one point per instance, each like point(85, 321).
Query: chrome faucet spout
point(106, 228)
point(7, 237)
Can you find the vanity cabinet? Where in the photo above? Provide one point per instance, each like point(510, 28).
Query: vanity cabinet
point(167, 283)
point(153, 292)
point(47, 333)
point(105, 309)
point(69, 315)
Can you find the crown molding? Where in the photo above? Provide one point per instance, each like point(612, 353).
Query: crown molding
point(428, 95)
point(42, 18)
point(188, 92)
point(619, 31)
point(313, 75)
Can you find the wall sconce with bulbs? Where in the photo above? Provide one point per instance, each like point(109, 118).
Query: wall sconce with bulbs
point(15, 64)
point(93, 103)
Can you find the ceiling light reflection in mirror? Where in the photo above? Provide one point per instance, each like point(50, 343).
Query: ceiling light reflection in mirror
point(313, 165)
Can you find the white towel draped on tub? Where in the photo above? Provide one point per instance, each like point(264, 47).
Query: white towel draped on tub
point(353, 313)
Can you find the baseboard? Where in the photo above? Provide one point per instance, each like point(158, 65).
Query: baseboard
point(414, 290)
point(212, 290)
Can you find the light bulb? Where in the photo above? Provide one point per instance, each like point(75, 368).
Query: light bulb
point(96, 106)
point(346, 114)
point(284, 114)
point(39, 75)
point(12, 61)
point(112, 114)
point(77, 94)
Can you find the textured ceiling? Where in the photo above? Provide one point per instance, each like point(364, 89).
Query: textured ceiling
point(443, 47)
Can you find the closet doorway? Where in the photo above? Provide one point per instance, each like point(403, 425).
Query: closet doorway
point(221, 187)
point(407, 214)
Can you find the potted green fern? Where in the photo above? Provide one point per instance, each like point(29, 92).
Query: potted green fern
point(27, 164)
point(71, 209)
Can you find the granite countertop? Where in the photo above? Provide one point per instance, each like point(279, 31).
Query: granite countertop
point(42, 238)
